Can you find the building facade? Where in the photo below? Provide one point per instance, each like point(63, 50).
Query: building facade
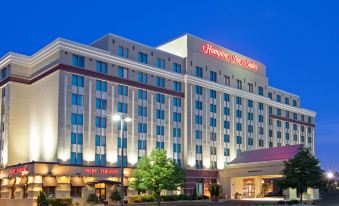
point(202, 103)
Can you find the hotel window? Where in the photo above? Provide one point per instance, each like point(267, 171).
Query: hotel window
point(250, 103)
point(294, 102)
point(261, 143)
point(238, 140)
point(213, 76)
point(122, 107)
point(101, 67)
point(287, 101)
point(226, 138)
point(176, 67)
point(77, 99)
point(160, 82)
point(261, 91)
point(309, 120)
point(278, 123)
point(239, 127)
point(142, 57)
point(239, 84)
point(123, 52)
point(142, 77)
point(76, 149)
point(226, 124)
point(4, 73)
point(250, 116)
point(198, 90)
point(101, 104)
point(142, 94)
point(295, 116)
point(261, 118)
point(78, 61)
point(250, 87)
point(77, 119)
point(261, 106)
point(213, 94)
point(122, 72)
point(270, 95)
point(122, 90)
point(279, 112)
point(160, 63)
point(198, 71)
point(77, 80)
point(270, 110)
point(238, 100)
point(238, 113)
point(100, 122)
point(177, 86)
point(226, 111)
point(287, 114)
point(250, 141)
point(160, 98)
point(101, 86)
point(76, 192)
point(142, 111)
point(100, 150)
point(302, 118)
point(250, 128)
point(278, 97)
point(227, 80)
point(226, 97)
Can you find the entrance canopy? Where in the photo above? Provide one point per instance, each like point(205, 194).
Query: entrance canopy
point(270, 154)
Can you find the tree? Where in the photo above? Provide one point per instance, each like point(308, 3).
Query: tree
point(42, 198)
point(115, 195)
point(302, 172)
point(215, 191)
point(156, 173)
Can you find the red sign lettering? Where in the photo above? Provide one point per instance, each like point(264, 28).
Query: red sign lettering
point(224, 55)
point(18, 170)
point(103, 171)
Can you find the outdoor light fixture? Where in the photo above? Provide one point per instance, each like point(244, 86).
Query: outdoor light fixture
point(329, 175)
point(122, 118)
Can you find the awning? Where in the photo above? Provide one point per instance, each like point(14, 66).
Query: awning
point(49, 181)
point(77, 182)
point(22, 182)
point(103, 181)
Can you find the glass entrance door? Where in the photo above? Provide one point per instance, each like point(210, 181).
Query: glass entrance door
point(249, 188)
point(100, 191)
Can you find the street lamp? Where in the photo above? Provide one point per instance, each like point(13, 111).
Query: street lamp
point(329, 175)
point(123, 118)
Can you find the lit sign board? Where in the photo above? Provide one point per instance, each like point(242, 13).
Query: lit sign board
point(102, 171)
point(18, 170)
point(228, 57)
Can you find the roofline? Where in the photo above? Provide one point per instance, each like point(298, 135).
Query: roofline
point(133, 41)
point(202, 39)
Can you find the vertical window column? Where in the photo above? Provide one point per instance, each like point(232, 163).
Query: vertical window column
point(250, 124)
point(177, 130)
point(3, 133)
point(238, 124)
point(213, 129)
point(226, 129)
point(142, 123)
point(77, 120)
point(122, 108)
point(100, 122)
point(198, 127)
point(261, 122)
point(160, 121)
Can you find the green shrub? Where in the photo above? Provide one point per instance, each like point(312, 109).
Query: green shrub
point(60, 202)
point(135, 199)
point(147, 198)
point(42, 199)
point(115, 195)
point(281, 202)
point(92, 199)
point(215, 190)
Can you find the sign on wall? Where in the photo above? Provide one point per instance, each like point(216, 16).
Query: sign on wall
point(103, 171)
point(228, 57)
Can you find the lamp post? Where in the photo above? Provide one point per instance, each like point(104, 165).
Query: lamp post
point(123, 118)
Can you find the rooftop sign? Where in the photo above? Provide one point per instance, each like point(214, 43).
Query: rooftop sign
point(228, 57)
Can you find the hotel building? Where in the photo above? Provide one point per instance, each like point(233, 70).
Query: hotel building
point(202, 103)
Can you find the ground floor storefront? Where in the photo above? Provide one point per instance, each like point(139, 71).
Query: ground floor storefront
point(21, 184)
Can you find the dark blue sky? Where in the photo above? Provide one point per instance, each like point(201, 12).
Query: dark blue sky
point(297, 40)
